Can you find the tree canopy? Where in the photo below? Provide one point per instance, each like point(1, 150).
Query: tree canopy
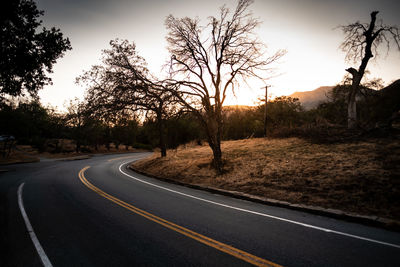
point(123, 84)
point(27, 53)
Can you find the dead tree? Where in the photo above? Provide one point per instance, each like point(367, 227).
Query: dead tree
point(361, 43)
point(208, 62)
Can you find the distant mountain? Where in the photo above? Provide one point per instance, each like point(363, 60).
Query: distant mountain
point(311, 99)
point(389, 96)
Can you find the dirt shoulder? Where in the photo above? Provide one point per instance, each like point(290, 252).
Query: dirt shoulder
point(359, 177)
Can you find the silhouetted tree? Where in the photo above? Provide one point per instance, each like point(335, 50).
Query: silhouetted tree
point(30, 123)
point(209, 61)
point(361, 43)
point(75, 118)
point(284, 111)
point(94, 131)
point(242, 122)
point(123, 83)
point(182, 129)
point(27, 53)
point(124, 130)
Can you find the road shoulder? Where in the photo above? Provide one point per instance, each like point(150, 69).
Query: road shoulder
point(332, 213)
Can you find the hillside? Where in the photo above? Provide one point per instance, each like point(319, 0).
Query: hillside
point(310, 99)
point(390, 96)
point(359, 177)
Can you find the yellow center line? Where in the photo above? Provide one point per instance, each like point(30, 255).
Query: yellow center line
point(189, 233)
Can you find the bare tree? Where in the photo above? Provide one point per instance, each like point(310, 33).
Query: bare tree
point(362, 42)
point(208, 62)
point(124, 83)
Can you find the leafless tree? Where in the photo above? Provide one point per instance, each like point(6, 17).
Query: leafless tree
point(362, 41)
point(208, 62)
point(123, 83)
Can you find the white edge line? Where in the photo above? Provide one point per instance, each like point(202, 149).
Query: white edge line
point(45, 260)
point(261, 214)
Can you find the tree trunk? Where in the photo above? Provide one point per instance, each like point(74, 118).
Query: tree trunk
point(214, 141)
point(215, 146)
point(217, 160)
point(351, 113)
point(78, 146)
point(163, 145)
point(78, 138)
point(265, 111)
point(352, 99)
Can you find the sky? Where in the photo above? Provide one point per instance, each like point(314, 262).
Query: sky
point(305, 28)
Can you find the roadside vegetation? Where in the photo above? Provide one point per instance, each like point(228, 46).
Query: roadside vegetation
point(355, 176)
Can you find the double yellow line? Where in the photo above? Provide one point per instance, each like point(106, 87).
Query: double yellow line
point(201, 238)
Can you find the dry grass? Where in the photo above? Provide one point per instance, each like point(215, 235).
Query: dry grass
point(24, 154)
point(360, 177)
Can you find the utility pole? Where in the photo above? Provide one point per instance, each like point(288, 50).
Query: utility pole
point(265, 110)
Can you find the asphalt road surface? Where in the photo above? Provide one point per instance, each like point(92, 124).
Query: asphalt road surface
point(96, 212)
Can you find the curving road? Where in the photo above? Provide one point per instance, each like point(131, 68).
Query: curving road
point(96, 212)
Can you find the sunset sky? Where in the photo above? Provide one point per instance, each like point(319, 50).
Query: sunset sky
point(305, 28)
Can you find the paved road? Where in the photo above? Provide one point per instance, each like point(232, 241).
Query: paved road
point(96, 212)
